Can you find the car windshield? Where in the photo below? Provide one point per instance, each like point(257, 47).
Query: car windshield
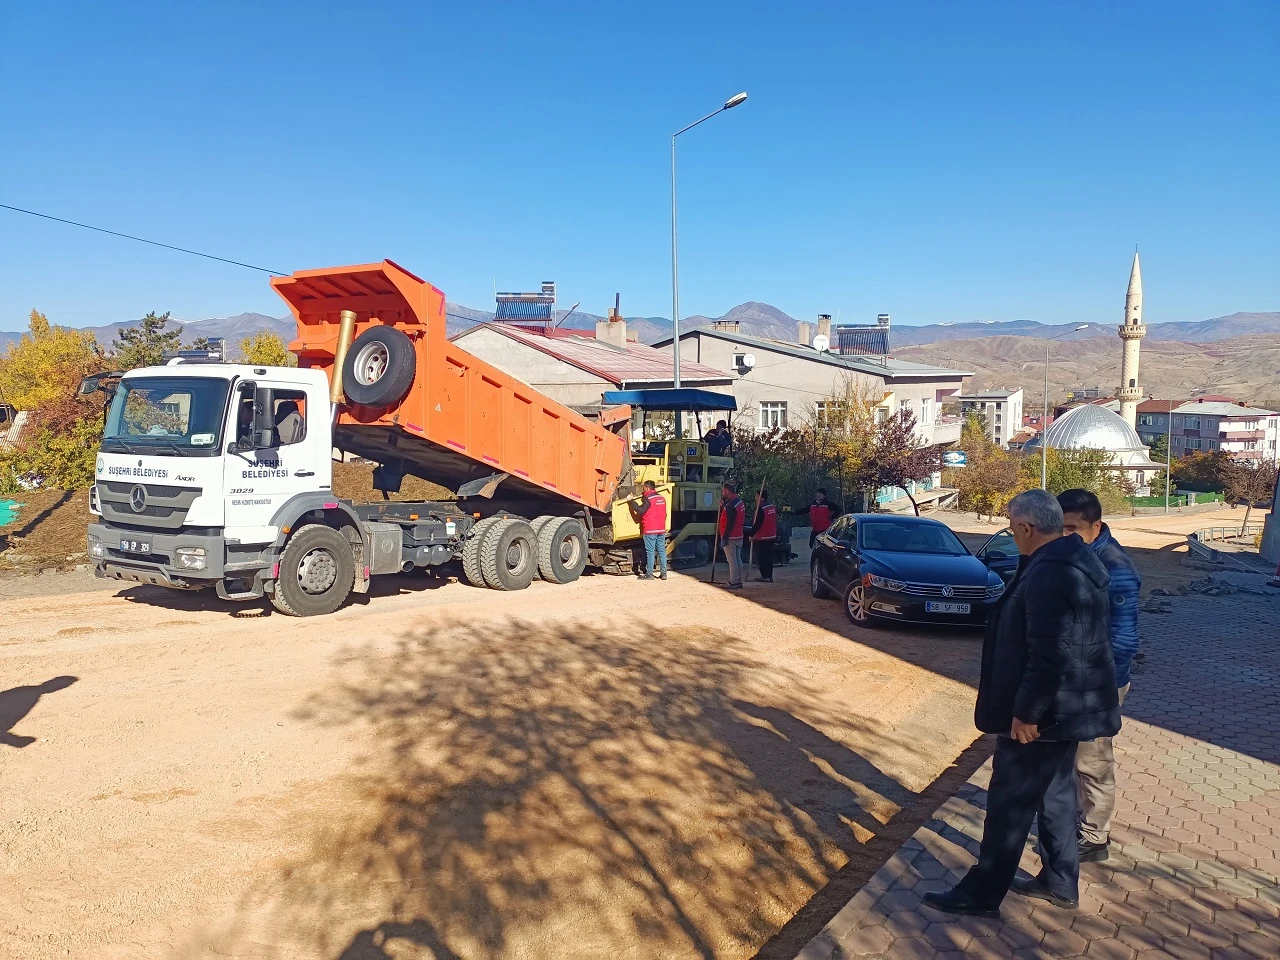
point(909, 538)
point(167, 416)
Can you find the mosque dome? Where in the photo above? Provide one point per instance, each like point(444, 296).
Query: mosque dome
point(1092, 426)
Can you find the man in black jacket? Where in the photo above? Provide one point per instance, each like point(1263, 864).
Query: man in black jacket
point(1048, 682)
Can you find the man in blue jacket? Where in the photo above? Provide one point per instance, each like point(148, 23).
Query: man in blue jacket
point(1095, 761)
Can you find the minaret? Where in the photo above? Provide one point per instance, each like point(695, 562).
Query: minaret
point(1131, 333)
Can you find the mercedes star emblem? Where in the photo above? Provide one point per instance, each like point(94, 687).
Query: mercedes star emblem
point(138, 498)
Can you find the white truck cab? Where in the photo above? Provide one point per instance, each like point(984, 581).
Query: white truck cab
point(201, 467)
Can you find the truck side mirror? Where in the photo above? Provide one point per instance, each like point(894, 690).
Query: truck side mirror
point(263, 418)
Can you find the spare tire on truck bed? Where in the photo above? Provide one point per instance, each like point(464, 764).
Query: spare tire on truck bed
point(379, 368)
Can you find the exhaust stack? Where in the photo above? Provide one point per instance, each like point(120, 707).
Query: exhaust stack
point(346, 333)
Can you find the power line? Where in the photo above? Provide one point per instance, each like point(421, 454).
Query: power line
point(154, 243)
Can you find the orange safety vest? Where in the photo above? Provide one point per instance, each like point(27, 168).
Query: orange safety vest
point(768, 523)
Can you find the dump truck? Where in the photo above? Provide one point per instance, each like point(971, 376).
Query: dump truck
point(215, 474)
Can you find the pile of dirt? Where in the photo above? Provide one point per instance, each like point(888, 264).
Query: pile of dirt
point(49, 530)
point(354, 481)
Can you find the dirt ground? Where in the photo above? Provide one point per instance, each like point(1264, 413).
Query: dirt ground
point(611, 768)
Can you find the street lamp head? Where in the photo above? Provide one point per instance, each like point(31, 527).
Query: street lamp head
point(735, 100)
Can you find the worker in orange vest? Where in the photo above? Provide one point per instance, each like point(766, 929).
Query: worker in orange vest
point(764, 531)
point(733, 516)
point(822, 513)
point(651, 514)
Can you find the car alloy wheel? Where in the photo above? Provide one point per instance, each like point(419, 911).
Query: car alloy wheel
point(855, 602)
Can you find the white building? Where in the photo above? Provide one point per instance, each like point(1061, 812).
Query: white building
point(1242, 432)
point(1002, 410)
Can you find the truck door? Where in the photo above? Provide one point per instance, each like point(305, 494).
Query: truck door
point(259, 481)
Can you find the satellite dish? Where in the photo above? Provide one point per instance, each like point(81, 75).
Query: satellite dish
point(821, 342)
point(748, 360)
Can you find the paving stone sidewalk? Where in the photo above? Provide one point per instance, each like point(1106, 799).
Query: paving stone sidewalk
point(1194, 872)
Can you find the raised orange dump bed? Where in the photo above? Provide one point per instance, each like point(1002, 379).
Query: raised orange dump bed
point(461, 419)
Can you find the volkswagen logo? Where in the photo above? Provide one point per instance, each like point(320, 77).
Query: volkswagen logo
point(138, 498)
point(947, 591)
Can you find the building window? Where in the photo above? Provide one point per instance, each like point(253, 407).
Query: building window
point(829, 412)
point(1146, 420)
point(999, 406)
point(1193, 443)
point(739, 360)
point(1177, 441)
point(1191, 423)
point(904, 406)
point(773, 414)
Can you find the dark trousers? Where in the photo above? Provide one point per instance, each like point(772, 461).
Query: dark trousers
point(764, 557)
point(1028, 781)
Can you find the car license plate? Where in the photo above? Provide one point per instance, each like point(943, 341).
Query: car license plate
point(935, 606)
point(135, 546)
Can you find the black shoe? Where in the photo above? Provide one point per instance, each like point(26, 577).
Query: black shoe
point(1032, 887)
point(956, 900)
point(1093, 852)
point(764, 579)
point(662, 577)
point(645, 576)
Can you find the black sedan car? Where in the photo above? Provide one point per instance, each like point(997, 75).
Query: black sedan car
point(910, 569)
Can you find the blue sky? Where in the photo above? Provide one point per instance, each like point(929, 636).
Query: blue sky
point(939, 161)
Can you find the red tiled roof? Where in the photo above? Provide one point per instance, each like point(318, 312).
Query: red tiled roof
point(1151, 405)
point(636, 363)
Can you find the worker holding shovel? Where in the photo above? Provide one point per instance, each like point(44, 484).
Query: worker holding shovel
point(733, 515)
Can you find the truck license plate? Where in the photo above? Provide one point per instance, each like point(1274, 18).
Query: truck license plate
point(135, 546)
point(934, 606)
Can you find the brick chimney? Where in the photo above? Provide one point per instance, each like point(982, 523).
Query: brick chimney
point(824, 325)
point(726, 326)
point(804, 333)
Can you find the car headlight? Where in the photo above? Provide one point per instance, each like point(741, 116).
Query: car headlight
point(190, 558)
point(884, 583)
point(96, 549)
point(994, 590)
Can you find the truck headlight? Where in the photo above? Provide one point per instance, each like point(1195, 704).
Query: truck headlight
point(190, 558)
point(96, 550)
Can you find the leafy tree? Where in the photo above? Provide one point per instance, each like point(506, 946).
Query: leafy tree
point(1160, 448)
point(199, 343)
point(145, 345)
point(899, 457)
point(1247, 484)
point(41, 374)
point(1080, 468)
point(46, 363)
point(991, 474)
point(266, 349)
point(1201, 471)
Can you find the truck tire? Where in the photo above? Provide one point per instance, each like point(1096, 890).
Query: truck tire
point(509, 555)
point(471, 566)
point(317, 571)
point(562, 549)
point(379, 367)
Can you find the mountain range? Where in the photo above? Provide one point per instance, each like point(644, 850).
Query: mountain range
point(762, 320)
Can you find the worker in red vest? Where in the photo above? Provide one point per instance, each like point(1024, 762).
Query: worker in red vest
point(822, 513)
point(733, 517)
point(764, 531)
point(651, 514)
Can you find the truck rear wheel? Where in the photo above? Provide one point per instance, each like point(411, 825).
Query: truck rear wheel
point(472, 568)
point(317, 571)
point(562, 549)
point(379, 367)
point(509, 555)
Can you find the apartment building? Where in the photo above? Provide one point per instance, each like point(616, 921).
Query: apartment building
point(1001, 409)
point(1212, 423)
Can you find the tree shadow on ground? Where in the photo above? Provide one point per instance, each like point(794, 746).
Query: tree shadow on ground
point(571, 790)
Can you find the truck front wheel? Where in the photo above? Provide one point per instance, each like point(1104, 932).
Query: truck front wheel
point(317, 571)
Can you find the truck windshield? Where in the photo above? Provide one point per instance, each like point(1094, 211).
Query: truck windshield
point(167, 416)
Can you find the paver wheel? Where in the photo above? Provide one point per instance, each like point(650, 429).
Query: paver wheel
point(509, 555)
point(471, 567)
point(317, 571)
point(562, 549)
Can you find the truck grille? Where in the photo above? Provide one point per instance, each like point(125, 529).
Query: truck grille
point(162, 507)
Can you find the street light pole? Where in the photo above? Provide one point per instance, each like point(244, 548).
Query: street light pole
point(675, 269)
point(1168, 451)
point(1044, 416)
